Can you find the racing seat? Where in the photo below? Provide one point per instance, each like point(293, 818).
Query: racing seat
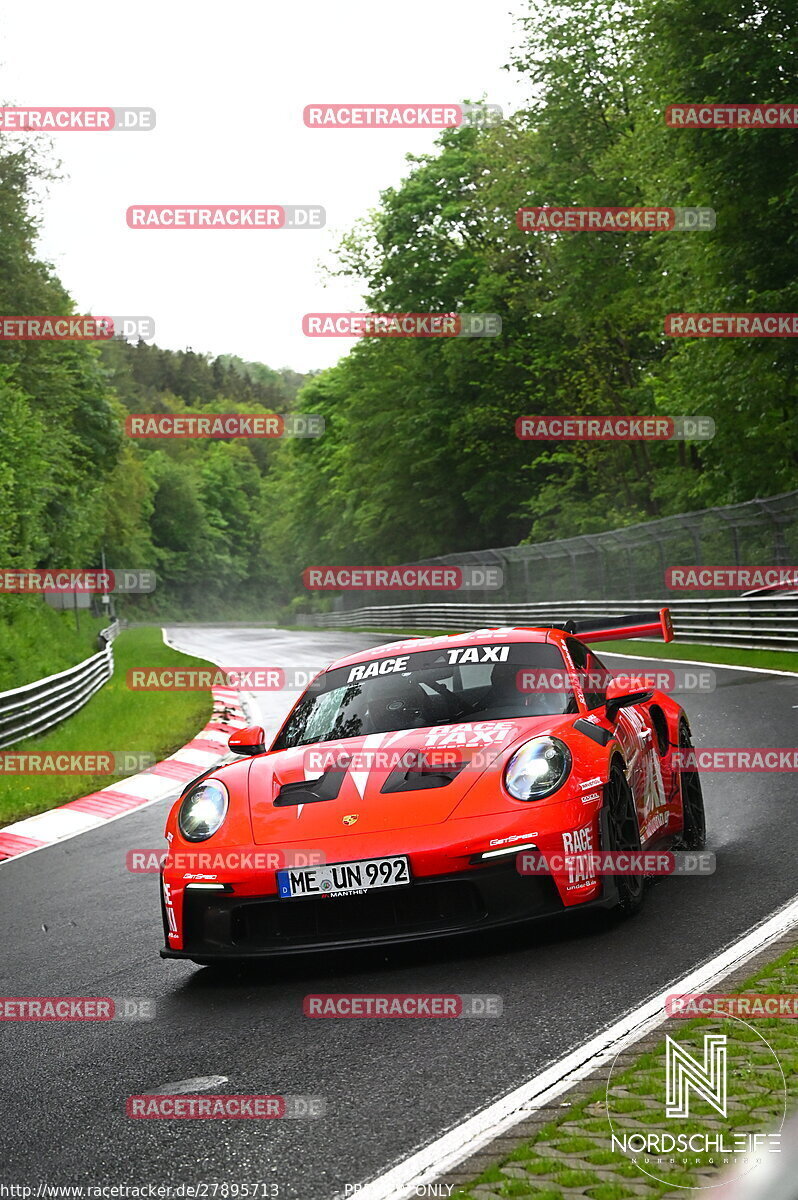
point(505, 698)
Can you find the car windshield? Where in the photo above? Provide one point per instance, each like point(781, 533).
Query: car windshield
point(432, 687)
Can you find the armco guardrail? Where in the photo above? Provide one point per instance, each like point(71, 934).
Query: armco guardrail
point(37, 706)
point(761, 622)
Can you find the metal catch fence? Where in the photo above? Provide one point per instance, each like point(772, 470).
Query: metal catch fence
point(623, 564)
point(609, 573)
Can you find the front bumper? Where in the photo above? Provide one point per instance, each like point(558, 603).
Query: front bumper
point(224, 925)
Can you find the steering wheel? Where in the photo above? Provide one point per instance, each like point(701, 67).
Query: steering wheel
point(408, 707)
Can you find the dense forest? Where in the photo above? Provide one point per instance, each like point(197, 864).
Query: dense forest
point(420, 455)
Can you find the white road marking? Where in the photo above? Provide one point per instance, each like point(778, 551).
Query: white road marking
point(446, 1152)
point(186, 1087)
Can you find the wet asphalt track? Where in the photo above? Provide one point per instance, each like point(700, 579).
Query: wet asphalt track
point(75, 922)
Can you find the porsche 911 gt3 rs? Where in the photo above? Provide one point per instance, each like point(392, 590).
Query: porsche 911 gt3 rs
point(410, 780)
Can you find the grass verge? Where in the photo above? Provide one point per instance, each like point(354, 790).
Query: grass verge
point(36, 641)
point(114, 719)
point(768, 660)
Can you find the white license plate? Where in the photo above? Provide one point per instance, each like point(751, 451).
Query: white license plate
point(343, 879)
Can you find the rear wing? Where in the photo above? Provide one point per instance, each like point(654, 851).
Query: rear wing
point(605, 629)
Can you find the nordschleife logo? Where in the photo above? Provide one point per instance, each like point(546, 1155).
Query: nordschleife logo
point(702, 1107)
point(684, 1073)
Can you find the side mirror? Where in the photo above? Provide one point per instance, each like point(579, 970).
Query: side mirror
point(619, 696)
point(251, 740)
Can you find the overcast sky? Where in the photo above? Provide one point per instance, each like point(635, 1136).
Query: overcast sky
point(229, 82)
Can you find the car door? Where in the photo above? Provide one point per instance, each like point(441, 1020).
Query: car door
point(643, 767)
point(636, 738)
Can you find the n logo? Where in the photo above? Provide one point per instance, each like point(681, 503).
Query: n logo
point(707, 1079)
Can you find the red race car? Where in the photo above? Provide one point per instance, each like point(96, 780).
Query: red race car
point(416, 789)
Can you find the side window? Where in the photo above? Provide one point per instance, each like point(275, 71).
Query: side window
point(593, 675)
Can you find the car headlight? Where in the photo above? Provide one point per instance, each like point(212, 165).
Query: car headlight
point(203, 810)
point(537, 769)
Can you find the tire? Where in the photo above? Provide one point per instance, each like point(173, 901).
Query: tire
point(694, 833)
point(623, 833)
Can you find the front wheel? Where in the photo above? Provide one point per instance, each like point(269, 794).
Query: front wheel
point(623, 833)
point(694, 831)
